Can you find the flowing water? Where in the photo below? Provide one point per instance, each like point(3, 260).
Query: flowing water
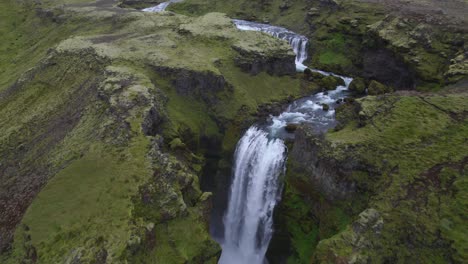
point(297, 42)
point(259, 161)
point(161, 7)
point(255, 190)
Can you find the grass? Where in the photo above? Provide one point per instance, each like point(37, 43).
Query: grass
point(404, 137)
point(176, 241)
point(89, 199)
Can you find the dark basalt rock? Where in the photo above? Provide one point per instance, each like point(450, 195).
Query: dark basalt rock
point(328, 175)
point(203, 85)
point(152, 121)
point(291, 128)
point(276, 64)
point(139, 3)
point(383, 66)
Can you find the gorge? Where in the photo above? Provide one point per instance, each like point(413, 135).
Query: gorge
point(201, 131)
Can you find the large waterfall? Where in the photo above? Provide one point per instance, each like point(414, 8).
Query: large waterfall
point(259, 162)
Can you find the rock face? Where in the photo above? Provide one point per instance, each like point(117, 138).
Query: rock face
point(201, 85)
point(384, 66)
point(255, 62)
point(329, 175)
point(139, 3)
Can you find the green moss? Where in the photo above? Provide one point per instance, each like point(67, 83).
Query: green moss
point(406, 140)
point(252, 91)
point(358, 85)
point(175, 242)
point(376, 88)
point(309, 217)
point(452, 211)
point(333, 58)
point(88, 199)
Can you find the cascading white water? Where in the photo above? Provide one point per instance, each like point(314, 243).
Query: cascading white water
point(259, 161)
point(297, 42)
point(161, 7)
point(255, 190)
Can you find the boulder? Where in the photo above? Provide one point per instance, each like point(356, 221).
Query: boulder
point(291, 128)
point(307, 73)
point(325, 107)
point(376, 88)
point(358, 85)
point(313, 12)
point(177, 143)
point(316, 75)
point(330, 82)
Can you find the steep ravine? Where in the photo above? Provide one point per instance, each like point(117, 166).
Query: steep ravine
point(116, 125)
point(332, 180)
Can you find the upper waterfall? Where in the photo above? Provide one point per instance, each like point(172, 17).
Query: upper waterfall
point(161, 7)
point(297, 42)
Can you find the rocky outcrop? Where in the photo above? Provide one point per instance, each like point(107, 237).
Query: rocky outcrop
point(255, 62)
point(358, 86)
point(328, 174)
point(139, 3)
point(376, 88)
point(384, 66)
point(195, 84)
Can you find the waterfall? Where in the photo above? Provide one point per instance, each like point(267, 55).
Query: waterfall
point(260, 160)
point(161, 7)
point(255, 190)
point(297, 42)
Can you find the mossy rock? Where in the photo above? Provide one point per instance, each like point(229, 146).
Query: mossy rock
point(358, 85)
point(316, 76)
point(330, 82)
point(376, 88)
point(177, 143)
point(291, 128)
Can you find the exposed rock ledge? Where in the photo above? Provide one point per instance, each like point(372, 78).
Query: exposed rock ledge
point(327, 174)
